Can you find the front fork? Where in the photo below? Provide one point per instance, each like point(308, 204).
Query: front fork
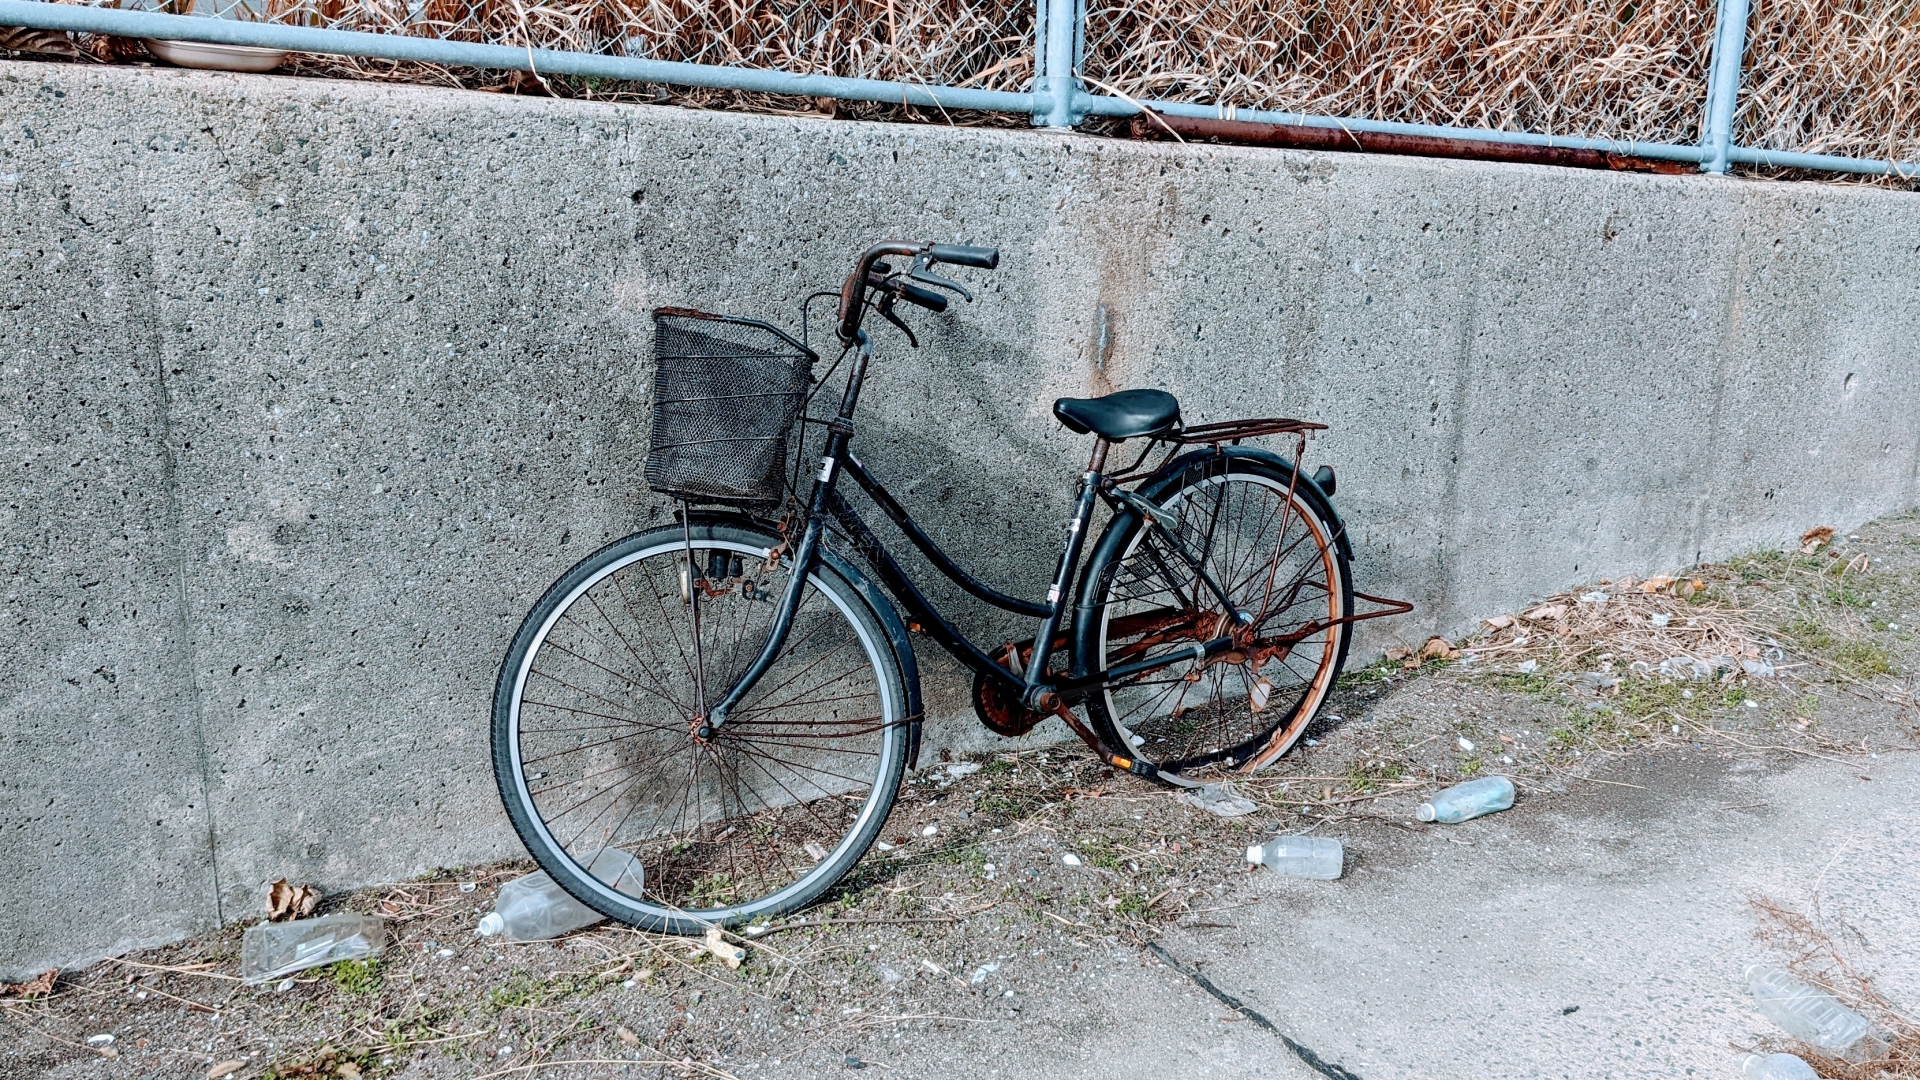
point(806, 554)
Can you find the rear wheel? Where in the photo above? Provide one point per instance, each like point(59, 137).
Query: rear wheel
point(594, 725)
point(1269, 543)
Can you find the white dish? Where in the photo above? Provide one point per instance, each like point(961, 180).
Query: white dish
point(215, 57)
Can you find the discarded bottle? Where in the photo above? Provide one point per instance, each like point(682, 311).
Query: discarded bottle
point(1300, 856)
point(535, 907)
point(1464, 802)
point(1777, 1067)
point(271, 950)
point(1814, 1017)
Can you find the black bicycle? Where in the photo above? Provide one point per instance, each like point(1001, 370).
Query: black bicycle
point(732, 700)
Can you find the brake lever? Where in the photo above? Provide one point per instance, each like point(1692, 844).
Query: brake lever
point(921, 273)
point(885, 308)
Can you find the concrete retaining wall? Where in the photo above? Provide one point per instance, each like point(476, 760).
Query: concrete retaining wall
point(307, 389)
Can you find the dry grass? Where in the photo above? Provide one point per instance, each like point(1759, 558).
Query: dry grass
point(1637, 626)
point(1833, 77)
point(1829, 76)
point(1814, 957)
point(1630, 69)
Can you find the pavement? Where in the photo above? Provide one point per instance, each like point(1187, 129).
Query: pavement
point(1595, 933)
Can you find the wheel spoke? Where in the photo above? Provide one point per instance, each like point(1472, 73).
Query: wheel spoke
point(1272, 555)
point(606, 732)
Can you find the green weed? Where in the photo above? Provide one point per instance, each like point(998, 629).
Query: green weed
point(1100, 853)
point(356, 976)
point(523, 991)
point(1862, 659)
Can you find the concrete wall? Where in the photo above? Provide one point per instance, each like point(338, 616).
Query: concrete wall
point(308, 389)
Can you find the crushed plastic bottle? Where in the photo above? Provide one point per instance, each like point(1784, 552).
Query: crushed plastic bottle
point(1776, 1067)
point(1814, 1017)
point(1300, 856)
point(535, 907)
point(1464, 802)
point(271, 950)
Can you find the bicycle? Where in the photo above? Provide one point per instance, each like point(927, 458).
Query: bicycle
point(732, 699)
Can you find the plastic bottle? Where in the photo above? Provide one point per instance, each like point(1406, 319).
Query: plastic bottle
point(534, 907)
point(1813, 1016)
point(271, 950)
point(1777, 1067)
point(1464, 802)
point(1300, 856)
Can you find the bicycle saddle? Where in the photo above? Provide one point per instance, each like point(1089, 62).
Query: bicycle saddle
point(1128, 414)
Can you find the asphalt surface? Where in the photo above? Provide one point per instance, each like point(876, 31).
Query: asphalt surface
point(1460, 953)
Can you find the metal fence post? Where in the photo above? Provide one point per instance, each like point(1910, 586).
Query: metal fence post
point(1057, 35)
point(1723, 86)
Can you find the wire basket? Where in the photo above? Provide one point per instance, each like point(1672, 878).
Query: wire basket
point(726, 393)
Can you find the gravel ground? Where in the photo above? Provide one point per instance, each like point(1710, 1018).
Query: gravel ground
point(997, 937)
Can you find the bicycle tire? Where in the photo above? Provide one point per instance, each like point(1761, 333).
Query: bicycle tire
point(1231, 721)
point(799, 843)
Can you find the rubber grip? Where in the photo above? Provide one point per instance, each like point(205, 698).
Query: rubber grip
point(926, 298)
point(965, 255)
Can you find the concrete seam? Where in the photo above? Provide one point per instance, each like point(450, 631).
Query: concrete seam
point(176, 523)
point(1457, 436)
point(1735, 317)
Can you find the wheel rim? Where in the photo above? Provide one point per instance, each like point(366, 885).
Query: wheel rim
point(1186, 725)
point(758, 818)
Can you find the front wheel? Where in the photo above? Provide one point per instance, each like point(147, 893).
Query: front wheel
point(1268, 541)
point(597, 707)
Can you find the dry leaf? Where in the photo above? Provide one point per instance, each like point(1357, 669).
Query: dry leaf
point(1398, 653)
point(1547, 612)
point(225, 1069)
point(627, 1036)
point(1500, 622)
point(286, 901)
point(1436, 648)
point(729, 953)
point(38, 42)
point(1815, 538)
point(38, 986)
point(1656, 583)
point(348, 1071)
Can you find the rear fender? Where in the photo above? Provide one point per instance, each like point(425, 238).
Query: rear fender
point(1164, 478)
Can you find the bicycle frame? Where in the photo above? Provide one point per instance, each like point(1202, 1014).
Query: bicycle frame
point(1036, 687)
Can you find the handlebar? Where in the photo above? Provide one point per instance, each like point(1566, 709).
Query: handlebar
point(965, 255)
point(853, 292)
point(926, 298)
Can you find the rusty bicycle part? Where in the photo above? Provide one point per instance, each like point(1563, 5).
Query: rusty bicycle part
point(733, 700)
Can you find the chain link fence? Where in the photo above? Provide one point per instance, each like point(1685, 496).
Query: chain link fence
point(1619, 69)
point(1833, 77)
point(927, 42)
point(1820, 76)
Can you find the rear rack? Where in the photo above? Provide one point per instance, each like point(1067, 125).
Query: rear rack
point(1232, 431)
point(1224, 433)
